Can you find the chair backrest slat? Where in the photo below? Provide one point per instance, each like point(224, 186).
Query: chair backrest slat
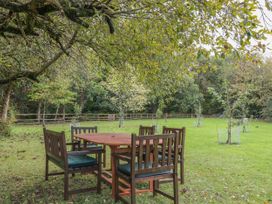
point(141, 153)
point(147, 153)
point(146, 149)
point(163, 150)
point(133, 153)
point(156, 153)
point(55, 145)
point(80, 130)
point(181, 135)
point(169, 152)
point(146, 130)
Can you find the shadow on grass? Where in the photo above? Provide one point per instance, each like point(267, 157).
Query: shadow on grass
point(51, 191)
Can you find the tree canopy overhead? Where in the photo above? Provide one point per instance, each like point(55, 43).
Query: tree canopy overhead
point(38, 32)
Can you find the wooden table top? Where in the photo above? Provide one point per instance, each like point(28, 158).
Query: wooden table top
point(112, 139)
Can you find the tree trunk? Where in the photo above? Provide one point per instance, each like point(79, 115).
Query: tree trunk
point(121, 118)
point(199, 111)
point(229, 115)
point(39, 112)
point(229, 131)
point(165, 117)
point(244, 119)
point(6, 102)
point(82, 100)
point(57, 111)
point(44, 109)
point(63, 113)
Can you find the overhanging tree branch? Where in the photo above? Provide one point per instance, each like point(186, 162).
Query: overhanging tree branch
point(32, 75)
point(73, 11)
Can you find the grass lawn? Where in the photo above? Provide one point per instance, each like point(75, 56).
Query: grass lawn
point(213, 173)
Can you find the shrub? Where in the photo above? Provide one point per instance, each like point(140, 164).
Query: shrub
point(5, 129)
point(267, 110)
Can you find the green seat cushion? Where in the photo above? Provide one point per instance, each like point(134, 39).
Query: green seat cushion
point(80, 161)
point(125, 169)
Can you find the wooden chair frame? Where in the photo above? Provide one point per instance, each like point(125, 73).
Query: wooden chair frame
point(82, 130)
point(181, 132)
point(55, 149)
point(147, 130)
point(150, 164)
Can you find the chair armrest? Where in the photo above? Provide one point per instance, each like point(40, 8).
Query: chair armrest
point(87, 151)
point(179, 146)
point(123, 150)
point(73, 143)
point(124, 157)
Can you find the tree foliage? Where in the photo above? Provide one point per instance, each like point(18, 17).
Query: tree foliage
point(169, 47)
point(52, 92)
point(127, 94)
point(144, 31)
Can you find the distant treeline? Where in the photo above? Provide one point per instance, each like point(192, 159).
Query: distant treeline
point(242, 87)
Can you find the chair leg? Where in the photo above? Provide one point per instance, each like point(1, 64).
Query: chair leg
point(155, 187)
point(46, 168)
point(73, 147)
point(104, 157)
point(181, 172)
point(99, 179)
point(133, 191)
point(116, 183)
point(175, 184)
point(66, 185)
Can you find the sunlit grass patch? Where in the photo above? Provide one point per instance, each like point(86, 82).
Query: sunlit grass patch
point(214, 173)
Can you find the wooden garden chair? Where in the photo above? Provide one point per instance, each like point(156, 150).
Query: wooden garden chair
point(181, 144)
point(78, 145)
point(147, 130)
point(138, 168)
point(71, 162)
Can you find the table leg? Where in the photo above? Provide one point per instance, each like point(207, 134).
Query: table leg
point(151, 186)
point(113, 167)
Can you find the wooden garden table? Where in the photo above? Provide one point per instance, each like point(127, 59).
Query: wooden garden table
point(114, 141)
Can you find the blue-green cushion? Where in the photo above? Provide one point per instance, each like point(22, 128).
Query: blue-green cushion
point(125, 169)
point(80, 161)
point(159, 156)
point(93, 145)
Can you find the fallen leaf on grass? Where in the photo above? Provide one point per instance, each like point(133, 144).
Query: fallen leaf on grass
point(184, 190)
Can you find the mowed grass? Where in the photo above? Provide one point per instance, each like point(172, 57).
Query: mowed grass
point(214, 173)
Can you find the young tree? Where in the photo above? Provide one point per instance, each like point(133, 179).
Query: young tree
point(227, 101)
point(233, 92)
point(128, 94)
point(52, 92)
point(263, 84)
point(187, 97)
